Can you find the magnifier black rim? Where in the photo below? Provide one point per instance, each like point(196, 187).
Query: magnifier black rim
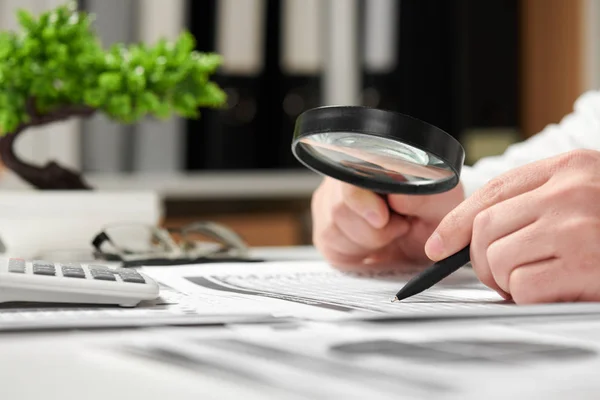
point(385, 124)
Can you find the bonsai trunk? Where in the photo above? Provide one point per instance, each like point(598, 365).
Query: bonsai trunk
point(51, 176)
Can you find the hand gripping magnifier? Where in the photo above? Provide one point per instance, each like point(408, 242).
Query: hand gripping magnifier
point(385, 152)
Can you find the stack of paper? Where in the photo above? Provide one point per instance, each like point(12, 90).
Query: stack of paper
point(314, 290)
point(263, 292)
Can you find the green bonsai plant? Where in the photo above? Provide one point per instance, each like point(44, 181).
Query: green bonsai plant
point(55, 68)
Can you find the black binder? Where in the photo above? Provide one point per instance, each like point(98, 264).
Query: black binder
point(490, 62)
point(230, 139)
point(418, 80)
point(454, 63)
point(300, 65)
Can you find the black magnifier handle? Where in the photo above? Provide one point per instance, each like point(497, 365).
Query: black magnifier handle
point(434, 274)
point(384, 196)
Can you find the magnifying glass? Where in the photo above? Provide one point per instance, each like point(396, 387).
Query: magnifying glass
point(379, 150)
point(385, 152)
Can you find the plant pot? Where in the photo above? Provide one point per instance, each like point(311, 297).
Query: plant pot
point(37, 223)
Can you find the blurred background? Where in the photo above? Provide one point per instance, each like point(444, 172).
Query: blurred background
point(489, 72)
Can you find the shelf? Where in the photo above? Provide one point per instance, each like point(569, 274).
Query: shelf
point(200, 186)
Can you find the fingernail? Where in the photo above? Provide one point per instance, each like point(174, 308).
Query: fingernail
point(434, 248)
point(373, 219)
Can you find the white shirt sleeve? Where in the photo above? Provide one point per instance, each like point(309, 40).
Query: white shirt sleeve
point(578, 130)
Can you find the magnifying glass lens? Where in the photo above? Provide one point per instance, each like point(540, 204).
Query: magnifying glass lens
point(374, 144)
point(376, 157)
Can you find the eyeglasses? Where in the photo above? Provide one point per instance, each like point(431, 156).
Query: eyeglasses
point(139, 244)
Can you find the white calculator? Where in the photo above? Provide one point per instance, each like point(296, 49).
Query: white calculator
point(81, 283)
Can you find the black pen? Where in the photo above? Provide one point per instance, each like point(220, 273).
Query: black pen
point(434, 274)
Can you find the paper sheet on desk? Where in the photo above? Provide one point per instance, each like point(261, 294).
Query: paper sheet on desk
point(314, 290)
point(480, 359)
point(172, 308)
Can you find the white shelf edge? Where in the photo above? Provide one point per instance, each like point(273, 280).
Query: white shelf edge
point(234, 185)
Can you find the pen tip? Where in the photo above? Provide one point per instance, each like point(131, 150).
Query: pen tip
point(394, 299)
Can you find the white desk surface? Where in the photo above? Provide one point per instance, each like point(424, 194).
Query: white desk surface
point(66, 365)
point(52, 365)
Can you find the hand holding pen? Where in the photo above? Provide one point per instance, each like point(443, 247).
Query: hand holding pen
point(531, 234)
point(533, 231)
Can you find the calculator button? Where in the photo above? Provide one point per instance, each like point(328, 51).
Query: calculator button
point(43, 268)
point(71, 265)
point(69, 271)
point(105, 277)
point(131, 276)
point(16, 265)
point(101, 267)
point(103, 274)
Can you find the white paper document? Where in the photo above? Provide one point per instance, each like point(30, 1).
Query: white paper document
point(315, 290)
point(171, 308)
point(482, 360)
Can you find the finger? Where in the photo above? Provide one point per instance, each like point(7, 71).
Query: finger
point(483, 272)
point(370, 206)
point(455, 230)
point(359, 231)
point(422, 206)
point(528, 245)
point(546, 281)
point(495, 223)
point(337, 248)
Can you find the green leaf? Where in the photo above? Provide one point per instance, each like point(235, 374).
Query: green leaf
point(53, 65)
point(160, 49)
point(184, 103)
point(136, 81)
point(4, 123)
point(140, 107)
point(185, 43)
point(31, 47)
point(162, 111)
point(62, 53)
point(6, 45)
point(207, 62)
point(44, 20)
point(110, 81)
point(212, 95)
point(49, 33)
point(94, 97)
point(27, 20)
point(9, 121)
point(126, 106)
point(150, 101)
point(119, 105)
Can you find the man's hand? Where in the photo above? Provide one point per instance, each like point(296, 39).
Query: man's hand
point(534, 231)
point(353, 227)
